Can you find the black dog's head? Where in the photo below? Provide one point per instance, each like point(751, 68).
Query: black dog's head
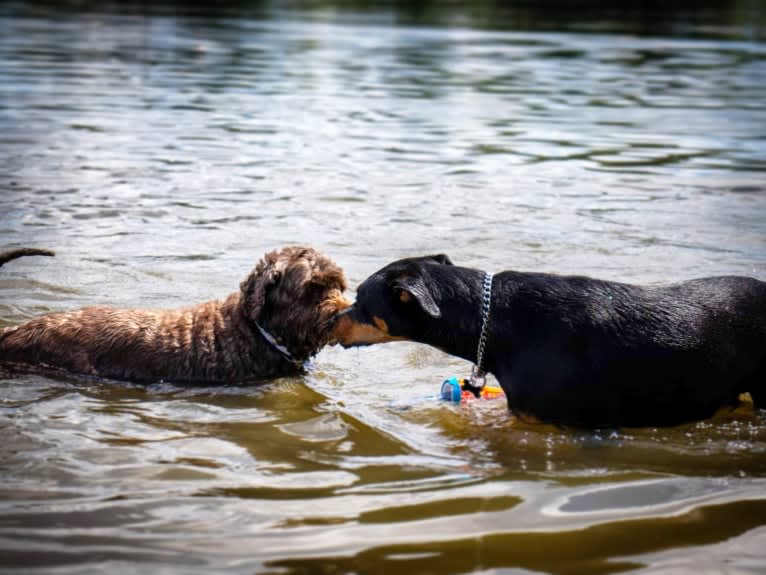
point(394, 303)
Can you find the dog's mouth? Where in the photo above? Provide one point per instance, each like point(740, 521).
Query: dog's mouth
point(349, 332)
point(353, 344)
point(337, 305)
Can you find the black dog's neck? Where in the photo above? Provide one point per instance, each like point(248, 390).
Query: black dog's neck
point(458, 329)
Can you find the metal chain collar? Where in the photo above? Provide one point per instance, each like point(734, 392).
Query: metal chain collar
point(477, 372)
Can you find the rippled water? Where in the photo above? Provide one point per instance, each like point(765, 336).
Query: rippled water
point(161, 155)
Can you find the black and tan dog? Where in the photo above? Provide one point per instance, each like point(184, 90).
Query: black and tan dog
point(281, 316)
point(576, 350)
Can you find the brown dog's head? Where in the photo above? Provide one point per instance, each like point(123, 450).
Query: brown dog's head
point(295, 293)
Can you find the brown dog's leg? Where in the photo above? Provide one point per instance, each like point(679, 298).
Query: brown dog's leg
point(5, 257)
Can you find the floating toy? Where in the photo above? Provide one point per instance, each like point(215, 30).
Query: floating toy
point(454, 390)
point(457, 389)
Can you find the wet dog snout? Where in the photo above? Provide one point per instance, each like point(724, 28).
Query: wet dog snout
point(344, 312)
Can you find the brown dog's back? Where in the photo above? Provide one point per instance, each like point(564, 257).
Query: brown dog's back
point(204, 342)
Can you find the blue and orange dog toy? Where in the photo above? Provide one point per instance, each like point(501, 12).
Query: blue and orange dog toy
point(457, 389)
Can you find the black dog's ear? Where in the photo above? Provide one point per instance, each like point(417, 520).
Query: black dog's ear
point(442, 259)
point(414, 287)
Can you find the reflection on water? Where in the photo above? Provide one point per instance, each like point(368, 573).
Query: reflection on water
point(161, 154)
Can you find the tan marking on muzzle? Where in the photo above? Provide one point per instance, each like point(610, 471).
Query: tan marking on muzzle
point(348, 332)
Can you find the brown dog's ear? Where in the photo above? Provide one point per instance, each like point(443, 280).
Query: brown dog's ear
point(255, 288)
point(263, 278)
point(414, 287)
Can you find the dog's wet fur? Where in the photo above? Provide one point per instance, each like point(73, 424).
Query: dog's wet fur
point(293, 294)
point(575, 350)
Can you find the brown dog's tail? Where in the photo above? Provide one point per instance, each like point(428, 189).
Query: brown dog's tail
point(5, 257)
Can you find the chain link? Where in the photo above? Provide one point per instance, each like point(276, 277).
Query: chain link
point(486, 301)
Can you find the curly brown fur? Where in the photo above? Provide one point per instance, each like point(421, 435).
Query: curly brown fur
point(293, 293)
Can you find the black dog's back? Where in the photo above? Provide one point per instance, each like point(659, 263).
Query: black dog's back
point(591, 352)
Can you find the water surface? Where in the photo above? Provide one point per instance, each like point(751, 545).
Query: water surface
point(161, 154)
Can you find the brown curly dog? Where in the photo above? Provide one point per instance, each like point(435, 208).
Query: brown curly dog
point(281, 316)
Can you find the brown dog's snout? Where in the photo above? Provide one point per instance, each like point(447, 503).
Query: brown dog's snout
point(343, 305)
point(341, 325)
point(333, 305)
point(343, 312)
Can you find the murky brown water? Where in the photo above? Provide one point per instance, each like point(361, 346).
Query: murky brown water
point(161, 155)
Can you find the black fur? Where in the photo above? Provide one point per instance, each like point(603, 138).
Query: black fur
point(581, 351)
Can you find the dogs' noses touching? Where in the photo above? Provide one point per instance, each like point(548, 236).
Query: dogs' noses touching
point(341, 312)
point(340, 325)
point(338, 321)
